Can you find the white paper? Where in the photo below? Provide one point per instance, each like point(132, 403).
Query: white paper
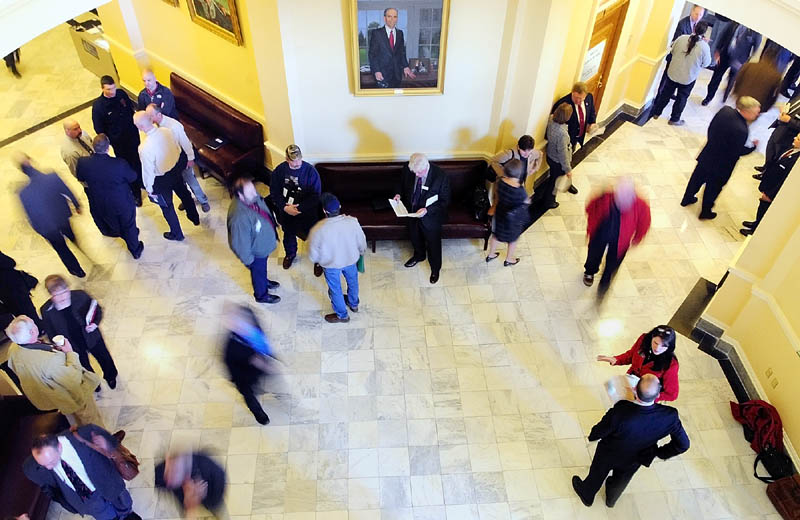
point(621, 387)
point(400, 209)
point(431, 200)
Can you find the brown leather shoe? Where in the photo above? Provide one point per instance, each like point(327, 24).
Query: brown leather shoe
point(334, 318)
point(287, 261)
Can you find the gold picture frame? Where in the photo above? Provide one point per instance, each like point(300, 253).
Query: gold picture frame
point(218, 16)
point(421, 27)
point(173, 3)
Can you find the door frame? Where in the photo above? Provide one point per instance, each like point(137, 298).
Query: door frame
point(620, 9)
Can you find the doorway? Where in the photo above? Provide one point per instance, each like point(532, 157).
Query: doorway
point(602, 47)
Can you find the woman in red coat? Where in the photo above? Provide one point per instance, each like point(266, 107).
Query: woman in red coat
point(653, 353)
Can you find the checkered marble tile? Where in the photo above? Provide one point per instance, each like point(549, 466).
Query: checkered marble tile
point(469, 399)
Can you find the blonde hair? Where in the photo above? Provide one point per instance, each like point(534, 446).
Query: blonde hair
point(747, 102)
point(580, 88)
point(19, 326)
point(418, 162)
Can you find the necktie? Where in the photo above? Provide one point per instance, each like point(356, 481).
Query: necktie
point(417, 193)
point(391, 39)
point(85, 146)
point(80, 488)
point(263, 213)
point(787, 153)
point(581, 120)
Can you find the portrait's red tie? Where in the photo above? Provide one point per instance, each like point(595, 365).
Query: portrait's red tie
point(391, 40)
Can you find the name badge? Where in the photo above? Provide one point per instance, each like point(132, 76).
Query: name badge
point(424, 187)
point(258, 226)
point(782, 166)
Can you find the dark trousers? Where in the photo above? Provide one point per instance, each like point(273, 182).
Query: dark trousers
point(601, 466)
point(780, 141)
point(11, 60)
point(294, 227)
point(56, 240)
point(258, 276)
point(128, 149)
point(682, 95)
point(763, 206)
point(126, 223)
point(21, 305)
point(603, 243)
point(719, 71)
point(546, 192)
point(791, 76)
point(714, 184)
point(426, 241)
point(103, 357)
point(165, 185)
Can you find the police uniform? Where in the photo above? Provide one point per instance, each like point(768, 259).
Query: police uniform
point(114, 117)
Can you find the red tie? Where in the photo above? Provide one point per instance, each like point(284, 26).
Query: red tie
point(580, 118)
point(391, 39)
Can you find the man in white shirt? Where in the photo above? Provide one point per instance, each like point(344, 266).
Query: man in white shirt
point(179, 132)
point(79, 478)
point(163, 161)
point(75, 144)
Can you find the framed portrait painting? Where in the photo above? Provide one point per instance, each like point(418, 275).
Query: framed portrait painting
point(218, 16)
point(173, 3)
point(398, 47)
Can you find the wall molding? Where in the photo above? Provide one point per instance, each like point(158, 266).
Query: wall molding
point(780, 317)
point(397, 156)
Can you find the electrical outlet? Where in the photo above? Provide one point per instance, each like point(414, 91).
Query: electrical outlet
point(774, 383)
point(769, 372)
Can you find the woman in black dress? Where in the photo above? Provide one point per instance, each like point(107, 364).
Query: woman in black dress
point(512, 212)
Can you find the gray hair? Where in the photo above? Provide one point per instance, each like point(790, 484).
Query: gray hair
point(418, 162)
point(390, 9)
point(18, 327)
point(747, 103)
point(100, 143)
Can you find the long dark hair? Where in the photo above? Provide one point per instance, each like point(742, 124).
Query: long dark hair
point(699, 30)
point(661, 361)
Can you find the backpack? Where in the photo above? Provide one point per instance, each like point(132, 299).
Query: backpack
point(762, 426)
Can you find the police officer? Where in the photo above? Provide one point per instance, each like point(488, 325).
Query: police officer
point(112, 114)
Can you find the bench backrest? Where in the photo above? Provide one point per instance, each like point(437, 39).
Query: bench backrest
point(211, 113)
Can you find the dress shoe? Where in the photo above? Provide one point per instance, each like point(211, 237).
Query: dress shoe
point(413, 261)
point(588, 280)
point(758, 176)
point(705, 102)
point(317, 270)
point(97, 390)
point(707, 215)
point(112, 383)
point(506, 263)
point(269, 298)
point(205, 207)
point(334, 318)
point(434, 278)
point(679, 122)
point(687, 202)
point(80, 273)
point(138, 253)
point(492, 257)
point(654, 116)
point(347, 302)
point(272, 284)
point(138, 202)
point(262, 417)
point(196, 221)
point(170, 236)
point(759, 169)
point(287, 261)
point(572, 189)
point(119, 435)
point(181, 207)
point(749, 224)
point(552, 205)
point(133, 516)
point(576, 484)
point(747, 231)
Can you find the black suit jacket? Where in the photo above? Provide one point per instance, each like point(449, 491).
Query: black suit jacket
point(727, 138)
point(436, 183)
point(102, 472)
point(745, 46)
point(54, 323)
point(383, 59)
point(573, 125)
point(684, 27)
point(629, 433)
point(107, 179)
point(776, 173)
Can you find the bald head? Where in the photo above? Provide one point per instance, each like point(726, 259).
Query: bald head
point(149, 80)
point(624, 193)
point(72, 128)
point(648, 388)
point(142, 120)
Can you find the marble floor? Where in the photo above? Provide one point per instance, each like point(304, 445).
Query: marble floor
point(470, 399)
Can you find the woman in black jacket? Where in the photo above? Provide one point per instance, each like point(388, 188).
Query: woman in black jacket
point(511, 215)
point(15, 291)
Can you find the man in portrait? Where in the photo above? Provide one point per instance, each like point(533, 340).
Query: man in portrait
point(387, 52)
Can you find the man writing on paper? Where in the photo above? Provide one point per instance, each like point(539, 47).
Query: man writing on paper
point(425, 190)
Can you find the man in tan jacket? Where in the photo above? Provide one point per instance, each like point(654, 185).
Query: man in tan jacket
point(51, 376)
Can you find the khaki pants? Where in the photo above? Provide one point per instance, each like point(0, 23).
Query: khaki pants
point(89, 414)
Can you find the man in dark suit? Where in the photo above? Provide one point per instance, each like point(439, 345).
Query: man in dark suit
point(687, 23)
point(629, 433)
point(727, 141)
point(387, 52)
point(44, 200)
point(112, 114)
point(584, 116)
point(786, 127)
point(107, 181)
point(79, 478)
point(735, 46)
point(774, 177)
point(425, 191)
point(65, 314)
point(791, 77)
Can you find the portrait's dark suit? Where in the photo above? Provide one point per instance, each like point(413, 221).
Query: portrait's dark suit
point(110, 499)
point(727, 139)
point(107, 186)
point(573, 125)
point(89, 342)
point(735, 46)
point(383, 59)
point(426, 232)
point(628, 435)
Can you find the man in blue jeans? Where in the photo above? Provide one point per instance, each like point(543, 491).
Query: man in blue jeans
point(336, 243)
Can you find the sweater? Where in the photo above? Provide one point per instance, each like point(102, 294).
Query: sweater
point(336, 242)
point(250, 235)
point(558, 145)
point(668, 376)
point(684, 68)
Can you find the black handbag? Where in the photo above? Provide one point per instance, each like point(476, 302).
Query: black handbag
point(777, 464)
point(480, 203)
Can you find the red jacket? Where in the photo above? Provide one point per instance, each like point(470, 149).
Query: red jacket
point(633, 224)
point(668, 377)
